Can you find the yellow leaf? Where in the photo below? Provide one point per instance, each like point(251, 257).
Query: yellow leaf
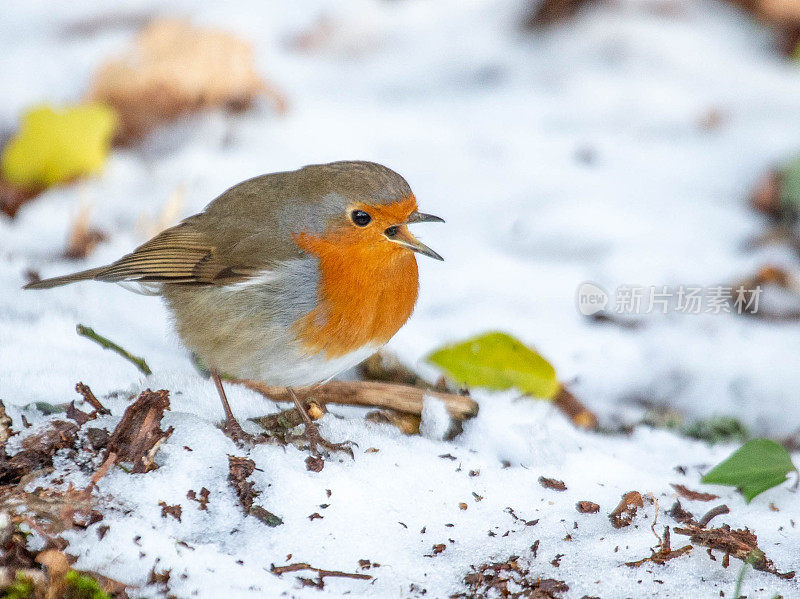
point(56, 145)
point(497, 361)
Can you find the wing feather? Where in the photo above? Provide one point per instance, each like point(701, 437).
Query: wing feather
point(181, 254)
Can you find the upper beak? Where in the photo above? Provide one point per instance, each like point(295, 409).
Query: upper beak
point(406, 239)
point(421, 217)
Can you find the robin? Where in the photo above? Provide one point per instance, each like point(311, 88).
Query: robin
point(289, 278)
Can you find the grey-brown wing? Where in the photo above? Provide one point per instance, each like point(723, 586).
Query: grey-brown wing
point(240, 235)
point(192, 253)
point(181, 254)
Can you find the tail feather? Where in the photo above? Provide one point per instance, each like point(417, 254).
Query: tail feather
point(66, 279)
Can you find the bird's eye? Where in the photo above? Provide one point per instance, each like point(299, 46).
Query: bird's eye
point(361, 218)
point(391, 231)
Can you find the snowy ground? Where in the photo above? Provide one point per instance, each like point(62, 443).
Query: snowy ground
point(492, 126)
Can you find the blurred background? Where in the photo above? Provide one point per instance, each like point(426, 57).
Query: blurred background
point(622, 142)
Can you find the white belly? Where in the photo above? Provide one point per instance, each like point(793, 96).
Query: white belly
point(309, 370)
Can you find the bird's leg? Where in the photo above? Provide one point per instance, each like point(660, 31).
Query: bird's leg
point(312, 434)
point(232, 427)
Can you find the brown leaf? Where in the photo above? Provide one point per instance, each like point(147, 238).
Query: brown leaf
point(175, 68)
point(13, 197)
point(766, 197)
point(510, 579)
point(171, 510)
point(587, 507)
point(513, 514)
point(551, 12)
point(6, 431)
point(160, 577)
point(693, 495)
point(97, 437)
point(741, 544)
point(680, 514)
point(552, 483)
point(203, 500)
point(314, 463)
point(14, 552)
point(77, 415)
point(438, 548)
point(239, 469)
point(82, 238)
point(138, 435)
point(625, 512)
point(47, 511)
point(37, 451)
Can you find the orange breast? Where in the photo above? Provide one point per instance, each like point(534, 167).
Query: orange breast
point(367, 291)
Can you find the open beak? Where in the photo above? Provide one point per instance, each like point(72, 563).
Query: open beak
point(404, 237)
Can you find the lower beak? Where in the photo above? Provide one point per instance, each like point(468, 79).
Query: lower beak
point(406, 239)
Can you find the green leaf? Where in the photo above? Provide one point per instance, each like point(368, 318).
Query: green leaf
point(497, 361)
point(56, 145)
point(756, 466)
point(790, 188)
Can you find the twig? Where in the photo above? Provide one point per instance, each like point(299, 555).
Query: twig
point(105, 343)
point(371, 394)
point(655, 521)
point(300, 566)
point(90, 398)
point(713, 513)
point(571, 406)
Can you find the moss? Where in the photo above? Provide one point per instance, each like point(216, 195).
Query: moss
point(83, 586)
point(717, 430)
point(22, 588)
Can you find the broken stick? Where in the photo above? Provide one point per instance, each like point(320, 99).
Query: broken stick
point(571, 407)
point(402, 398)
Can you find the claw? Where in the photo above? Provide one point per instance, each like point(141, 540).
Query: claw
point(316, 440)
point(233, 430)
point(311, 432)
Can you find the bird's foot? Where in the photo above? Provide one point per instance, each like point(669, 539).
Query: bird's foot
point(315, 440)
point(234, 431)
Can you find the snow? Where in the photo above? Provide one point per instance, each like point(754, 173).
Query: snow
point(556, 157)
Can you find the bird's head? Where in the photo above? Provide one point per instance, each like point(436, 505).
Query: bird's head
point(365, 211)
